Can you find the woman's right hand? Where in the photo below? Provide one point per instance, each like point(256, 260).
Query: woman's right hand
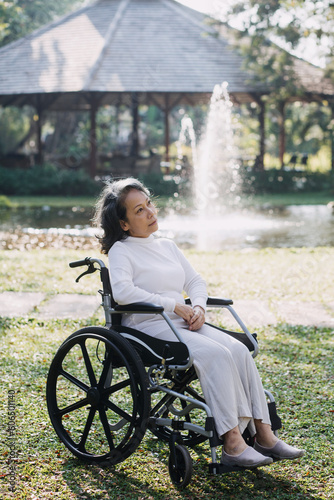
point(184, 311)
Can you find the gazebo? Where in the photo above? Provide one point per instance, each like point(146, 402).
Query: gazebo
point(133, 52)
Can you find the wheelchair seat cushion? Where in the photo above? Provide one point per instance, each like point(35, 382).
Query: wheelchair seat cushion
point(152, 350)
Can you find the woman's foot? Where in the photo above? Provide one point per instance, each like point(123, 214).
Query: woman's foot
point(249, 459)
point(234, 444)
point(280, 451)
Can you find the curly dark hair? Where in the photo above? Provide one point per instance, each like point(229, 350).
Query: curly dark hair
point(110, 210)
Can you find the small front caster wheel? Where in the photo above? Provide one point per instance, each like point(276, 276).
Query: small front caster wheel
point(180, 466)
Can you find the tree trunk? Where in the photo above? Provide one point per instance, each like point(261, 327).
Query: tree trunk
point(281, 121)
point(92, 139)
point(331, 132)
point(39, 109)
point(167, 128)
point(260, 162)
point(135, 121)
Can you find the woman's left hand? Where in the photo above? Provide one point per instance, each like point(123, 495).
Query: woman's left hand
point(198, 319)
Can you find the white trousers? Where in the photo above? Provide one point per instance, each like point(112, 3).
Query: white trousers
point(230, 382)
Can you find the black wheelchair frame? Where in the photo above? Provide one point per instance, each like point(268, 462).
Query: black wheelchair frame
point(105, 384)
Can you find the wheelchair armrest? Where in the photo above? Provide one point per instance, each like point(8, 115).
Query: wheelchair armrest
point(214, 301)
point(139, 307)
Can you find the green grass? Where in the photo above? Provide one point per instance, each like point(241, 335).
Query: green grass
point(295, 363)
point(302, 274)
point(52, 201)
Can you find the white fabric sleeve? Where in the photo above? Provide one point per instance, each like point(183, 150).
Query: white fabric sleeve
point(194, 284)
point(123, 289)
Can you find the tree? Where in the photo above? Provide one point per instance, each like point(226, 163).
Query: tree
point(269, 33)
point(286, 22)
point(20, 17)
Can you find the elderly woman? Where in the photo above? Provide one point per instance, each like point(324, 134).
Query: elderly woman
point(144, 268)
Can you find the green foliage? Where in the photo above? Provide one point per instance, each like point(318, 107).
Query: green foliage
point(11, 21)
point(264, 60)
point(152, 126)
point(5, 202)
point(287, 23)
point(46, 179)
point(286, 181)
point(51, 180)
point(14, 125)
point(158, 185)
point(20, 17)
point(307, 127)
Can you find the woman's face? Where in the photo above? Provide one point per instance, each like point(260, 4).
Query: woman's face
point(141, 215)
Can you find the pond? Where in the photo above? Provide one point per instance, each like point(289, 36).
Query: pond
point(291, 226)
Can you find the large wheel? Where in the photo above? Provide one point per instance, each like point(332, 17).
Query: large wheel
point(170, 406)
point(97, 395)
point(180, 466)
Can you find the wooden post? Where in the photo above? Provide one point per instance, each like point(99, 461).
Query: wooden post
point(262, 113)
point(39, 139)
point(135, 121)
point(331, 135)
point(281, 139)
point(39, 125)
point(92, 139)
point(167, 127)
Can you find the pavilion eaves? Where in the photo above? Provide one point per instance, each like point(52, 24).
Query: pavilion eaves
point(114, 48)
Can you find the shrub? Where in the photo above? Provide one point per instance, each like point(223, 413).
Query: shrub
point(5, 202)
point(46, 180)
point(286, 181)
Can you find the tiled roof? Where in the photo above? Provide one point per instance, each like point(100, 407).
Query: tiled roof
point(123, 46)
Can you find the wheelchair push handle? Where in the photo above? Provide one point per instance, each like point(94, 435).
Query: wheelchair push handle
point(80, 263)
point(89, 262)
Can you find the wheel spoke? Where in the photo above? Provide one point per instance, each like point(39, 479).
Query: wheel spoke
point(117, 387)
point(90, 371)
point(106, 366)
point(90, 418)
point(73, 407)
point(119, 411)
point(106, 428)
point(74, 380)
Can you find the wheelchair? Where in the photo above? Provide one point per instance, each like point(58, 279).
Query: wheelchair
point(108, 385)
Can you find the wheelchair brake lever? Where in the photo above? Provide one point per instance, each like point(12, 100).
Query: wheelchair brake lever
point(91, 269)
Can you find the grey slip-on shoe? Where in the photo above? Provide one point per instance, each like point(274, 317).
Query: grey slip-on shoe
point(280, 451)
point(249, 458)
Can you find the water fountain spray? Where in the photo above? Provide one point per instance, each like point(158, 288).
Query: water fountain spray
point(215, 177)
point(216, 171)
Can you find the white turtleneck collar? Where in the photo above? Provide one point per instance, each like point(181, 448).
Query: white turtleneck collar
point(140, 241)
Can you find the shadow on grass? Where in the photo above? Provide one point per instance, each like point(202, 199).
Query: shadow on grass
point(112, 483)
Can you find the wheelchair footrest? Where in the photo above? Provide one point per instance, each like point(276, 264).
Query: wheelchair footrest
point(218, 468)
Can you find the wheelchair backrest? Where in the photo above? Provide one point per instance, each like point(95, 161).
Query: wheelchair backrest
point(151, 350)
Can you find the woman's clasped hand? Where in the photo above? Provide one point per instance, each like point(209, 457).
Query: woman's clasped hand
point(195, 317)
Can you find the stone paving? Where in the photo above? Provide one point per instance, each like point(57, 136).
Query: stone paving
point(253, 313)
point(39, 305)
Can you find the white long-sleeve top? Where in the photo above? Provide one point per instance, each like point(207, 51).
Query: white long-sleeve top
point(153, 270)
